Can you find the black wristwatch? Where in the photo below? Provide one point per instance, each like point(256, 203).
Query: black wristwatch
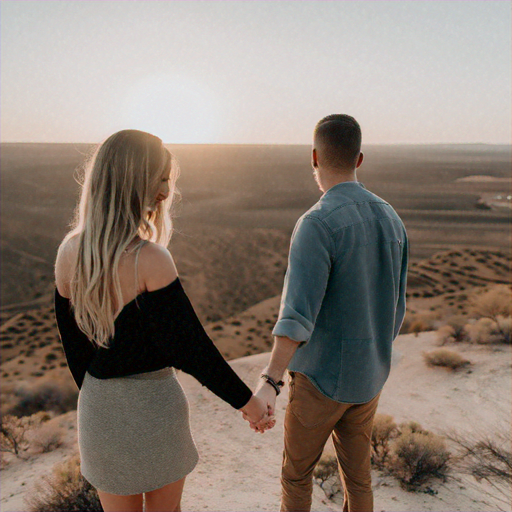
point(276, 385)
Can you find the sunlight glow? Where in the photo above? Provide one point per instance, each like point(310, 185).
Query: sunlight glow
point(175, 108)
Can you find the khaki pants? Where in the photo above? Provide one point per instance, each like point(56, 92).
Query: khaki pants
point(310, 419)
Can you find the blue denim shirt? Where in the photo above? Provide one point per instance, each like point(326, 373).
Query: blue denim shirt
point(344, 292)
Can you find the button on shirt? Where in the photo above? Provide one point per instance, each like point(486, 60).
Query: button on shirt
point(344, 292)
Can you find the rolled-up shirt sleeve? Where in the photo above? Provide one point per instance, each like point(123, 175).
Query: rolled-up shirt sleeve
point(305, 282)
point(401, 304)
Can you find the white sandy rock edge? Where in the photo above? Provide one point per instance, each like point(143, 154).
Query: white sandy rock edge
point(239, 470)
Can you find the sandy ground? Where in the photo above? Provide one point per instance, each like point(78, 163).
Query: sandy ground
point(239, 470)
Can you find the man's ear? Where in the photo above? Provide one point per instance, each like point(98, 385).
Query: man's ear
point(360, 159)
point(314, 158)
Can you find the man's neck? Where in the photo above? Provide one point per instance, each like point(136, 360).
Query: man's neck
point(330, 180)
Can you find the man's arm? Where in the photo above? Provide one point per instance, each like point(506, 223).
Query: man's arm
point(306, 279)
point(282, 353)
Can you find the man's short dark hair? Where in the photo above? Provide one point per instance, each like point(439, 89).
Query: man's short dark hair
point(338, 138)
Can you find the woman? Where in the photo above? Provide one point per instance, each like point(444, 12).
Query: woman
point(125, 323)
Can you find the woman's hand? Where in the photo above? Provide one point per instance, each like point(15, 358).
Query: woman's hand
point(258, 414)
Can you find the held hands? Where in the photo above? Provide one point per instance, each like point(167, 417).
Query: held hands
point(259, 414)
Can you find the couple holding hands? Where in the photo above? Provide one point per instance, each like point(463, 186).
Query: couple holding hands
point(126, 324)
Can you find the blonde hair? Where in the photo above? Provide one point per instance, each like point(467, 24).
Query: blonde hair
point(117, 204)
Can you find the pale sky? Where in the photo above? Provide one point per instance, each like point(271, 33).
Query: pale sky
point(234, 71)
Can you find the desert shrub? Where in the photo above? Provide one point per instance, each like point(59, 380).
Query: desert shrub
point(493, 303)
point(14, 430)
point(454, 331)
point(417, 457)
point(487, 458)
point(47, 438)
point(412, 426)
point(44, 396)
point(486, 330)
point(445, 358)
point(64, 490)
point(326, 467)
point(417, 322)
point(384, 429)
point(445, 334)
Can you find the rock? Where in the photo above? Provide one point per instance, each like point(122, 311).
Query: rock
point(331, 486)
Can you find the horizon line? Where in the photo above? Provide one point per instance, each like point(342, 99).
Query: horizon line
point(279, 143)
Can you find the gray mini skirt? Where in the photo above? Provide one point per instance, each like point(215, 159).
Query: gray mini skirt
point(134, 432)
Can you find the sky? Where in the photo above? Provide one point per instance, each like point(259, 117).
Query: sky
point(255, 72)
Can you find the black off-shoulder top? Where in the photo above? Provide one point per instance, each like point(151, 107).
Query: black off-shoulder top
point(157, 329)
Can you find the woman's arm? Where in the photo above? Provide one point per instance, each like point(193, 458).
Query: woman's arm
point(183, 340)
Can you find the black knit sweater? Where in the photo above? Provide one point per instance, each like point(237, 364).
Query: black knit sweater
point(157, 329)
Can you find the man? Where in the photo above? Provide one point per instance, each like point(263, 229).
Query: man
point(342, 306)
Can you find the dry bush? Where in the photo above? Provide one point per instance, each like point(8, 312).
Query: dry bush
point(326, 467)
point(14, 430)
point(4, 461)
point(45, 395)
point(384, 429)
point(417, 457)
point(445, 334)
point(412, 426)
point(445, 358)
point(495, 302)
point(47, 438)
point(454, 331)
point(488, 331)
point(487, 458)
point(418, 322)
point(64, 490)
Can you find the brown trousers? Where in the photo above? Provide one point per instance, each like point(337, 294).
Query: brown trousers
point(310, 419)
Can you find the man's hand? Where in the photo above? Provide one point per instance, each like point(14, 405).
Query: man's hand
point(267, 394)
point(266, 423)
point(258, 414)
point(282, 352)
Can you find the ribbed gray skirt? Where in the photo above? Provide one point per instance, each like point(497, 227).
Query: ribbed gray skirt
point(134, 432)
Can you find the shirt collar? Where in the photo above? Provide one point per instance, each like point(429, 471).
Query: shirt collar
point(345, 184)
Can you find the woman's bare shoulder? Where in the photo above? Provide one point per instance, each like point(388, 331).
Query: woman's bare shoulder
point(64, 263)
point(156, 266)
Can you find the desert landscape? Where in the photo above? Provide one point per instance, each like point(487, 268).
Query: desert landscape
point(238, 208)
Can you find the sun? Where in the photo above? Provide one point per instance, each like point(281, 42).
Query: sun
point(177, 109)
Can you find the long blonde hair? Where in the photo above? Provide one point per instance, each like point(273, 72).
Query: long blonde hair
point(117, 205)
